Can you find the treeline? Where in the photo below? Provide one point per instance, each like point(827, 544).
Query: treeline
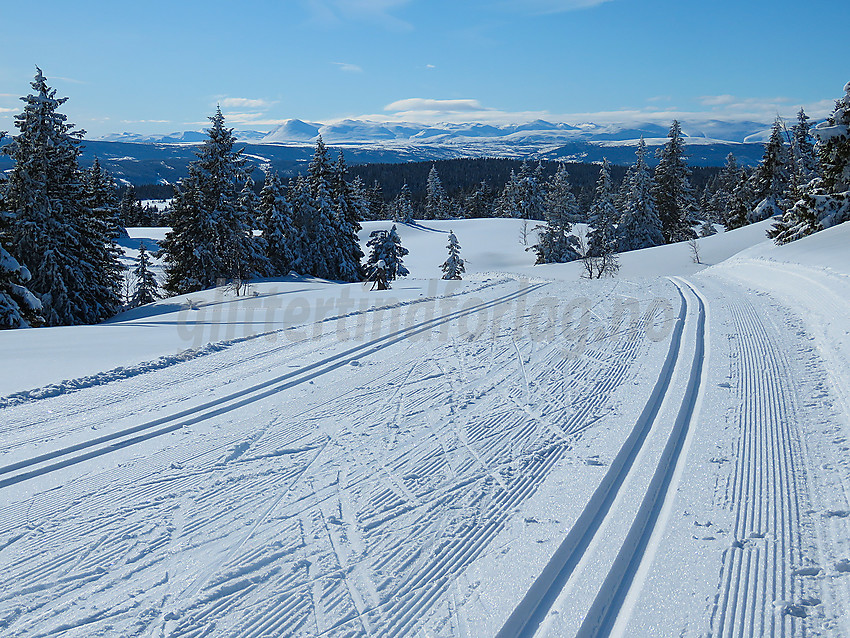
point(463, 177)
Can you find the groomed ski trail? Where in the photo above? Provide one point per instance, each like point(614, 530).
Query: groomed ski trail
point(529, 617)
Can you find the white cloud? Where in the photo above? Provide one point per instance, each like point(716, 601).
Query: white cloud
point(430, 66)
point(244, 103)
point(433, 111)
point(145, 121)
point(4, 110)
point(435, 106)
point(350, 68)
point(70, 80)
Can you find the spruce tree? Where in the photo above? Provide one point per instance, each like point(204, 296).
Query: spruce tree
point(804, 154)
point(277, 227)
point(377, 206)
point(146, 287)
point(602, 238)
point(824, 201)
point(674, 195)
point(210, 238)
point(102, 198)
point(306, 257)
point(640, 225)
point(386, 246)
point(508, 202)
point(453, 267)
point(556, 243)
point(349, 208)
point(104, 226)
point(771, 179)
point(245, 254)
point(51, 229)
point(402, 207)
point(322, 231)
point(739, 203)
point(130, 212)
point(722, 189)
point(480, 202)
point(436, 201)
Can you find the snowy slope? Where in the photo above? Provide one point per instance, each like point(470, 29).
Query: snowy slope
point(523, 453)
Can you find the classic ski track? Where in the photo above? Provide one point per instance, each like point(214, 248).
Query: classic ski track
point(769, 477)
point(528, 615)
point(127, 436)
point(603, 612)
point(226, 345)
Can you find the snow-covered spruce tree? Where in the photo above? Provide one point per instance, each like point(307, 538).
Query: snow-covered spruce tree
point(130, 211)
point(674, 196)
point(603, 215)
point(436, 200)
point(522, 197)
point(803, 152)
point(556, 243)
point(721, 190)
point(211, 237)
point(145, 286)
point(707, 229)
point(401, 208)
point(640, 226)
point(277, 227)
point(322, 231)
point(739, 204)
point(377, 205)
point(101, 193)
point(453, 267)
point(51, 230)
point(771, 179)
point(825, 201)
point(507, 203)
point(559, 202)
point(349, 206)
point(305, 258)
point(386, 246)
point(19, 308)
point(480, 202)
point(245, 257)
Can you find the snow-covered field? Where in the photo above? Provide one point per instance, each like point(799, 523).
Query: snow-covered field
point(522, 453)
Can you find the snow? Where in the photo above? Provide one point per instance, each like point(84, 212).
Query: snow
point(523, 452)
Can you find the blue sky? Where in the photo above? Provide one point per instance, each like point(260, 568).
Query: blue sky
point(162, 66)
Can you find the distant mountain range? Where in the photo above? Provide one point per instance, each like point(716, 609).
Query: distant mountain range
point(352, 131)
point(146, 159)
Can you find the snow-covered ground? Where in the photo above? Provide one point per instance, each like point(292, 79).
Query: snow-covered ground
point(521, 453)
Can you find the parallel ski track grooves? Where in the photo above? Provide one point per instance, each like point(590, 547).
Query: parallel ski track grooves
point(538, 600)
point(768, 478)
point(117, 440)
point(602, 614)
